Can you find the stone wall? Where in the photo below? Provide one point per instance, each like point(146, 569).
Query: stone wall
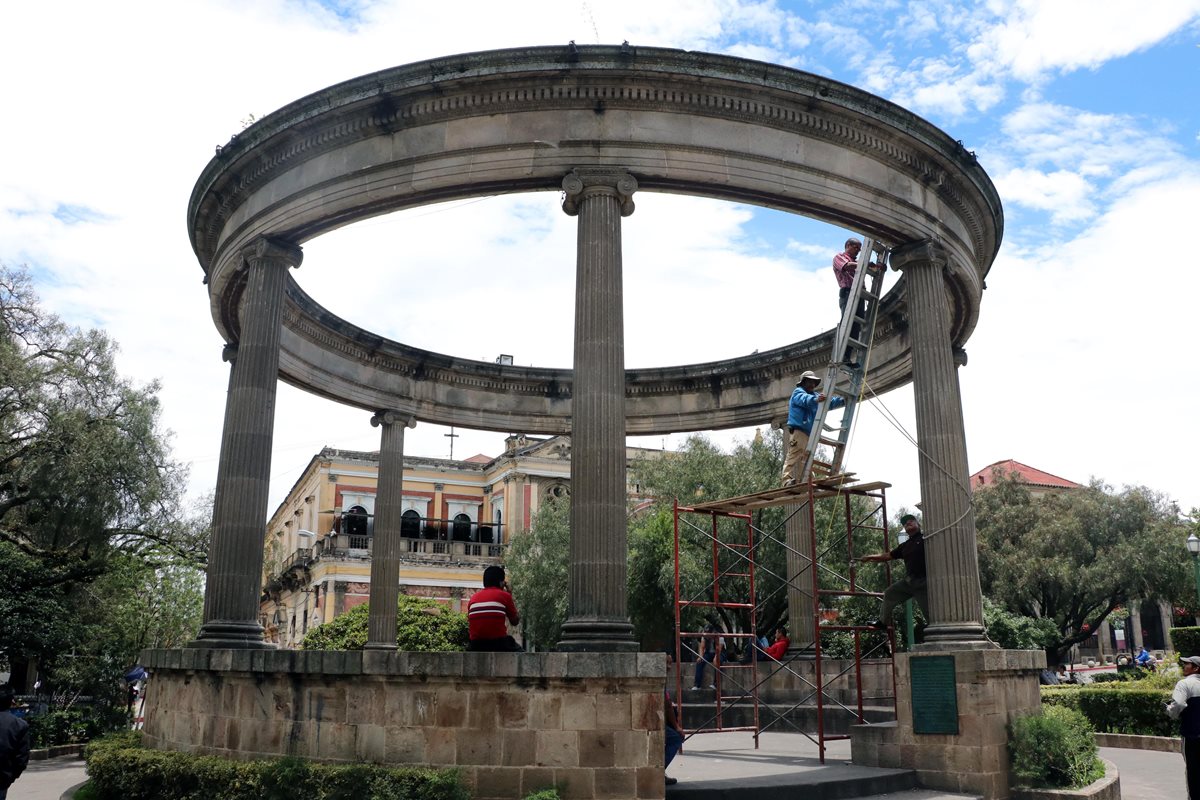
point(513, 723)
point(992, 687)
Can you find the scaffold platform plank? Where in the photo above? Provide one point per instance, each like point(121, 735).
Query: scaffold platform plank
point(795, 494)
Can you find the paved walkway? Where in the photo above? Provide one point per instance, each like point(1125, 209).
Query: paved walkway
point(1145, 775)
point(47, 780)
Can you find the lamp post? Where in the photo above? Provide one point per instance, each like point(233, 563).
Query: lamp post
point(909, 633)
point(1193, 546)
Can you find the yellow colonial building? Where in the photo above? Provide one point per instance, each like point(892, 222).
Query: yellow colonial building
point(458, 518)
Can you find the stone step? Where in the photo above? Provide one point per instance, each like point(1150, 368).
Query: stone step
point(922, 794)
point(831, 783)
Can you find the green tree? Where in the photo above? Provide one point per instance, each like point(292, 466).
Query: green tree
point(1075, 557)
point(422, 625)
point(97, 557)
point(537, 570)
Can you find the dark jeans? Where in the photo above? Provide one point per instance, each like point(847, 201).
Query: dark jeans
point(1191, 761)
point(506, 645)
point(674, 742)
point(700, 663)
point(855, 328)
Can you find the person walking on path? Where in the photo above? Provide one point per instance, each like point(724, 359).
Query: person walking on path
point(912, 585)
point(802, 411)
point(486, 612)
point(1185, 707)
point(14, 743)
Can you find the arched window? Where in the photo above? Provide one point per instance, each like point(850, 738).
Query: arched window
point(462, 528)
point(410, 524)
point(356, 521)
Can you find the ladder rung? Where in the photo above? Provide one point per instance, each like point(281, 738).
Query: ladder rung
point(832, 442)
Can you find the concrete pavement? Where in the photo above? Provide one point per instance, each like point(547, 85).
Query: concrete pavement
point(47, 780)
point(1145, 775)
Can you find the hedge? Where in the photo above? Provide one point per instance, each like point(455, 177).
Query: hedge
point(1186, 641)
point(121, 769)
point(1117, 708)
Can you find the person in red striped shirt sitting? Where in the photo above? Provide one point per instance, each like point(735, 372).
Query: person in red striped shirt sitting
point(487, 611)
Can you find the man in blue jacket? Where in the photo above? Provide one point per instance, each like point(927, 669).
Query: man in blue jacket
point(802, 410)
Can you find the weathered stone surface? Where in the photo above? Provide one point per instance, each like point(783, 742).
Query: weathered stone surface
point(697, 123)
point(509, 738)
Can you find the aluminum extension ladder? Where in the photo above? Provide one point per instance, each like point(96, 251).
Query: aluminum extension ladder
point(851, 346)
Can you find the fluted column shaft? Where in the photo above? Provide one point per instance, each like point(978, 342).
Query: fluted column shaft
point(233, 585)
point(1134, 628)
point(598, 617)
point(798, 532)
point(1166, 616)
point(386, 541)
point(955, 600)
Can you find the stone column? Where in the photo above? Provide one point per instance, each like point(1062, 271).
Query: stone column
point(798, 534)
point(598, 619)
point(386, 544)
point(1134, 627)
point(955, 600)
point(1104, 640)
point(235, 556)
point(1166, 615)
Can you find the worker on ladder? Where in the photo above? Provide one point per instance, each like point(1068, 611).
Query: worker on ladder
point(802, 410)
point(845, 265)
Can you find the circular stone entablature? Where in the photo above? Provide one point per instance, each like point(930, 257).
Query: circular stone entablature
point(520, 120)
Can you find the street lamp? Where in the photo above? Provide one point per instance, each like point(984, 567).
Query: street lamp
point(1193, 546)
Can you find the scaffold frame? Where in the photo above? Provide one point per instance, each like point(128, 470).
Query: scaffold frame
point(746, 679)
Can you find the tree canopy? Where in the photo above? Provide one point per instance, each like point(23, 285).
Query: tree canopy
point(98, 557)
point(1076, 556)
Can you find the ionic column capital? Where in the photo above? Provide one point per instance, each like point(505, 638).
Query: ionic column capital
point(271, 250)
point(229, 353)
point(392, 418)
point(923, 252)
point(584, 181)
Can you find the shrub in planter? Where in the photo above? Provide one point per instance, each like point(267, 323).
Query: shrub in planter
point(121, 769)
point(1186, 641)
point(1117, 707)
point(1054, 749)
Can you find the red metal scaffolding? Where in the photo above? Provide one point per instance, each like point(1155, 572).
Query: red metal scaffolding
point(734, 552)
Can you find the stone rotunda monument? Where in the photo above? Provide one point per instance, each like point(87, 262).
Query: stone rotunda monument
point(601, 124)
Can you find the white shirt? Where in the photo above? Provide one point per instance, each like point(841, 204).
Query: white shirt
point(1186, 688)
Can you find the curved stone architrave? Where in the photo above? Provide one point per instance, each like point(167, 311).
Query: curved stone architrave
point(520, 120)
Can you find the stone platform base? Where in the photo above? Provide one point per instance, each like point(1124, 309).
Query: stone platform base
point(590, 724)
point(992, 688)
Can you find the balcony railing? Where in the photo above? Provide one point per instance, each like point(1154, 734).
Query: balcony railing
point(413, 527)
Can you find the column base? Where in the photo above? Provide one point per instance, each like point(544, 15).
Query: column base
point(236, 635)
point(387, 646)
point(991, 688)
point(955, 636)
point(597, 636)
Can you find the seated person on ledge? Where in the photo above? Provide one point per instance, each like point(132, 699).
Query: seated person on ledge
point(487, 611)
point(775, 651)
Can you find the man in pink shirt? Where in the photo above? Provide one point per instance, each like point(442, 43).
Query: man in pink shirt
point(845, 264)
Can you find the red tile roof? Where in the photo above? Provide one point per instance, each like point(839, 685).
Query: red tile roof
point(1025, 473)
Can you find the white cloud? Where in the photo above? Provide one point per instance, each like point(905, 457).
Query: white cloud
point(1034, 37)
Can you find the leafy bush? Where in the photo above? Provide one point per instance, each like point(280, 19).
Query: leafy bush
point(76, 723)
point(421, 625)
point(1055, 749)
point(121, 769)
point(1125, 707)
point(545, 794)
point(1186, 641)
point(1015, 632)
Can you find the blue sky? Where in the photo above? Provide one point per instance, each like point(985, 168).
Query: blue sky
point(1086, 115)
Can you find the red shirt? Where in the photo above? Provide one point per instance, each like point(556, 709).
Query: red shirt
point(486, 611)
point(777, 650)
point(844, 268)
